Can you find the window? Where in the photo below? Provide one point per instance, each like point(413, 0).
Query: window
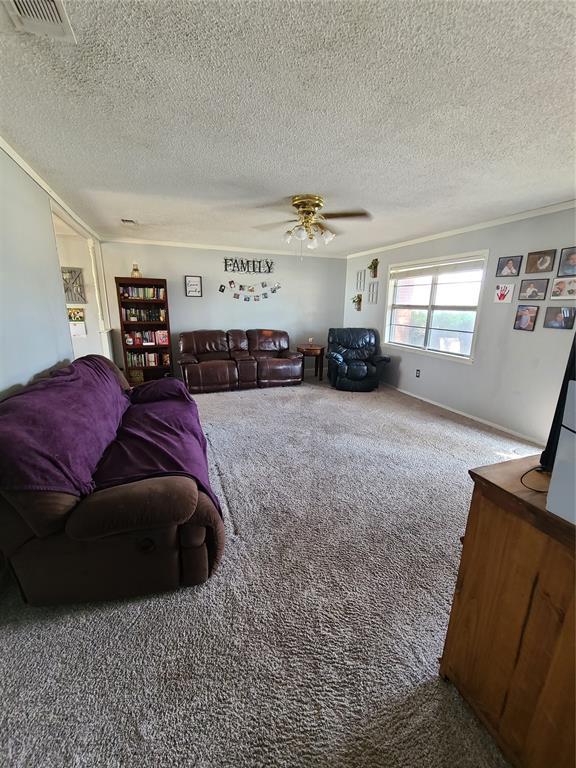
point(434, 306)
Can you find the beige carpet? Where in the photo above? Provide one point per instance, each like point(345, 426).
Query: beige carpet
point(315, 645)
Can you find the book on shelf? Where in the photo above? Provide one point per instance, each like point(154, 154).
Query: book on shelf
point(142, 292)
point(162, 338)
point(139, 315)
point(147, 359)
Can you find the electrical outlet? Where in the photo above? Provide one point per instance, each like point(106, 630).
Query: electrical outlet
point(417, 373)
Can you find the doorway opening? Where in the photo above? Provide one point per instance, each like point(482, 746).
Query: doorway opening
point(86, 307)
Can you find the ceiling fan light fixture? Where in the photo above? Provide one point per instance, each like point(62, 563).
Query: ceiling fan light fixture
point(312, 242)
point(328, 236)
point(299, 232)
point(288, 236)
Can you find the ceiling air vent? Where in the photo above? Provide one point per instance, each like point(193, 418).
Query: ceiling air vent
point(41, 17)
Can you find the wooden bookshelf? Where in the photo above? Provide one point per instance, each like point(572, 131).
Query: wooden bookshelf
point(144, 326)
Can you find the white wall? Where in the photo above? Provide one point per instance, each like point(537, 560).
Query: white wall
point(34, 331)
point(308, 303)
point(73, 252)
point(515, 377)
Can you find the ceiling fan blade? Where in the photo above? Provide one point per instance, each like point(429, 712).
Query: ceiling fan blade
point(360, 214)
point(280, 205)
point(274, 225)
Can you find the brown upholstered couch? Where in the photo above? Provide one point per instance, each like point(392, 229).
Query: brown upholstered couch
point(221, 361)
point(104, 536)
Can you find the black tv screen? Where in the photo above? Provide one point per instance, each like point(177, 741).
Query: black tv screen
point(549, 453)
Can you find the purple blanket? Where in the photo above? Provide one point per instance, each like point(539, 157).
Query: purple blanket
point(54, 432)
point(160, 435)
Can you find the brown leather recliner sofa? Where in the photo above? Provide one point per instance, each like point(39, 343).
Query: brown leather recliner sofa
point(221, 361)
point(104, 491)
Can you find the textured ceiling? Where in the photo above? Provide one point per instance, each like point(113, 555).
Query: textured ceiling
point(188, 116)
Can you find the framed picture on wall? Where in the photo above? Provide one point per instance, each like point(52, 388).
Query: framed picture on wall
point(533, 290)
point(193, 286)
point(567, 265)
point(563, 288)
point(508, 266)
point(560, 317)
point(540, 261)
point(525, 318)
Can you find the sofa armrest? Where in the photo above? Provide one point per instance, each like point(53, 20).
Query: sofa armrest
point(288, 354)
point(184, 358)
point(156, 502)
point(376, 359)
point(241, 355)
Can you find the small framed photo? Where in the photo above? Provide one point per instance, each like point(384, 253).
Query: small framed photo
point(525, 317)
point(509, 266)
point(76, 315)
point(540, 261)
point(503, 293)
point(193, 286)
point(222, 288)
point(567, 265)
point(560, 317)
point(533, 290)
point(563, 288)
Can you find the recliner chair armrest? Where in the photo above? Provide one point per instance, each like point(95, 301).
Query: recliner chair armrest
point(155, 502)
point(287, 354)
point(336, 356)
point(185, 358)
point(376, 359)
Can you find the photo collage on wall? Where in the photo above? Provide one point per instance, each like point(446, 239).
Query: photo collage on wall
point(535, 287)
point(250, 292)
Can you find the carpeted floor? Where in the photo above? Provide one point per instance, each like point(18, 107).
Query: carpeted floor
point(316, 645)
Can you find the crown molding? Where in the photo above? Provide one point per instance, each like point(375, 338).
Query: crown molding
point(43, 184)
point(222, 248)
point(471, 228)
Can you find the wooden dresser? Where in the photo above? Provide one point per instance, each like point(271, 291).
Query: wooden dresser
point(510, 643)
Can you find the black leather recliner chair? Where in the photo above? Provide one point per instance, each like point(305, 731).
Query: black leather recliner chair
point(354, 359)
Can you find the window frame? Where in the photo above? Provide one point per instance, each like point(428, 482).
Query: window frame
point(477, 256)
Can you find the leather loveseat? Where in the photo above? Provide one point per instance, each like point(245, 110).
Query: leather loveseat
point(104, 491)
point(221, 361)
point(354, 359)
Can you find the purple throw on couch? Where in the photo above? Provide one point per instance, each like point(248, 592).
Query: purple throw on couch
point(104, 492)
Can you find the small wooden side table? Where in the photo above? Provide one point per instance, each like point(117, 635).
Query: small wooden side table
point(313, 350)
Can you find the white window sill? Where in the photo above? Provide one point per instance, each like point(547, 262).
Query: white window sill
point(430, 353)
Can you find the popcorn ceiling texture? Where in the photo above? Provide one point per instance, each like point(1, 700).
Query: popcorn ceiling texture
point(186, 116)
point(315, 645)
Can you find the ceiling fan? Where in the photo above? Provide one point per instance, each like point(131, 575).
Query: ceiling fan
point(311, 225)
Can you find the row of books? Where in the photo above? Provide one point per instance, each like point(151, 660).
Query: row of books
point(142, 292)
point(147, 359)
point(147, 338)
point(148, 315)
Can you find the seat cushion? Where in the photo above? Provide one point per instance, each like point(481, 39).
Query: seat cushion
point(279, 369)
point(212, 376)
point(358, 370)
point(157, 439)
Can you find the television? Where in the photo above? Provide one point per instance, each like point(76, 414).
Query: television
point(549, 453)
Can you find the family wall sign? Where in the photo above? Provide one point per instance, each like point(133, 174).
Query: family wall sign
point(249, 266)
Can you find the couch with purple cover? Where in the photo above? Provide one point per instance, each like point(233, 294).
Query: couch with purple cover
point(104, 491)
point(221, 361)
